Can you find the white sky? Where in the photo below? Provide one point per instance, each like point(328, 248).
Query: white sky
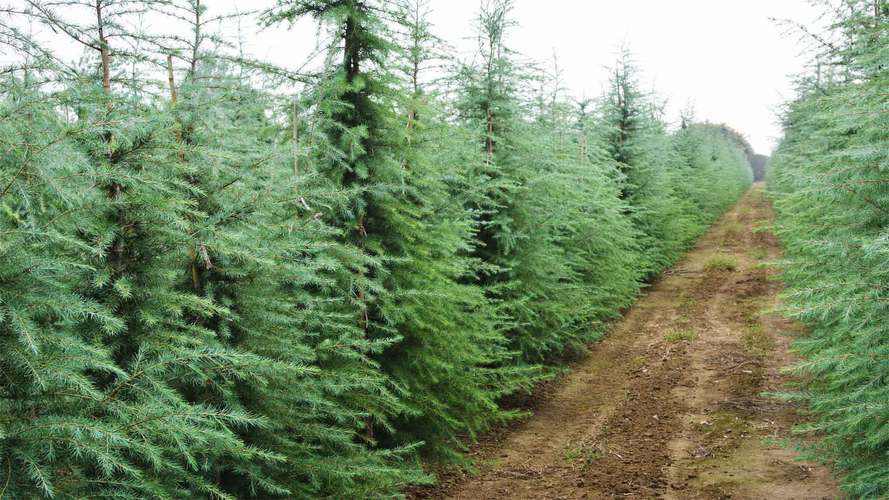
point(725, 56)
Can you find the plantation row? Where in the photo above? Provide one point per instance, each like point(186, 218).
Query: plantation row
point(211, 288)
point(832, 195)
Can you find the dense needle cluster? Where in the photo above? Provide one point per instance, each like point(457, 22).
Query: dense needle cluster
point(213, 286)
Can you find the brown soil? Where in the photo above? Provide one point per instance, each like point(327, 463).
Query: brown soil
point(670, 405)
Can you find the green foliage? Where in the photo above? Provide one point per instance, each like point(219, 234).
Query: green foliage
point(97, 355)
point(829, 185)
point(675, 185)
point(560, 257)
point(214, 289)
point(401, 214)
point(286, 300)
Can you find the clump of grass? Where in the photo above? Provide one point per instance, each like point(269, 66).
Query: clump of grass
point(584, 455)
point(763, 227)
point(637, 363)
point(757, 342)
point(686, 302)
point(759, 253)
point(676, 336)
point(721, 263)
point(732, 231)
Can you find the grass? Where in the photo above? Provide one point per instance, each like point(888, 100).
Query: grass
point(759, 253)
point(676, 336)
point(686, 303)
point(762, 227)
point(732, 231)
point(584, 455)
point(637, 363)
point(721, 263)
point(757, 342)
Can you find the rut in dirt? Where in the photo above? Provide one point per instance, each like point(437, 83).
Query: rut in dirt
point(670, 405)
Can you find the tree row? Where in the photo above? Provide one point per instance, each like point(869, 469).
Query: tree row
point(222, 278)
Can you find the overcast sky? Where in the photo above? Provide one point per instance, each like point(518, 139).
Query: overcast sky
point(727, 57)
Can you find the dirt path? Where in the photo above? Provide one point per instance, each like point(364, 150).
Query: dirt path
point(669, 405)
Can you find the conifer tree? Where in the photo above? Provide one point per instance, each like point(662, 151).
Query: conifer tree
point(117, 441)
point(398, 214)
point(44, 359)
point(674, 185)
point(830, 191)
point(709, 155)
point(635, 138)
point(589, 225)
point(284, 301)
point(552, 275)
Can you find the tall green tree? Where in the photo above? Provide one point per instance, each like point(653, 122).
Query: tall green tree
point(554, 277)
point(399, 214)
point(653, 173)
point(113, 435)
point(831, 195)
point(286, 300)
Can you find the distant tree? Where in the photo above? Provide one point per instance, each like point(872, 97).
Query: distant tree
point(760, 165)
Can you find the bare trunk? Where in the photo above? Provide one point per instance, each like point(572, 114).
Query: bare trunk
point(180, 153)
point(103, 51)
point(171, 81)
point(197, 39)
point(295, 137)
point(490, 137)
point(174, 99)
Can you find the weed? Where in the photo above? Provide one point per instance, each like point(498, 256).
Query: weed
point(585, 455)
point(759, 253)
point(721, 263)
point(686, 302)
point(732, 230)
point(677, 336)
point(637, 363)
point(757, 342)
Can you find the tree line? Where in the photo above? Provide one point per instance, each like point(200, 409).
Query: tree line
point(216, 286)
point(831, 193)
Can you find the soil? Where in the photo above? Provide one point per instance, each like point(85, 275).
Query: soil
point(671, 404)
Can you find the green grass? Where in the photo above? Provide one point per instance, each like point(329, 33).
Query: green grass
point(759, 253)
point(732, 231)
point(676, 336)
point(757, 342)
point(584, 455)
point(721, 263)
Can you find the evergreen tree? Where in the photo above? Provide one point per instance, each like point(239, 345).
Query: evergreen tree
point(213, 288)
point(675, 184)
point(46, 395)
point(831, 196)
point(636, 140)
point(117, 441)
point(399, 215)
point(554, 275)
point(283, 301)
point(709, 156)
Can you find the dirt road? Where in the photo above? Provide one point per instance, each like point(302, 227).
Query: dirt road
point(669, 405)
